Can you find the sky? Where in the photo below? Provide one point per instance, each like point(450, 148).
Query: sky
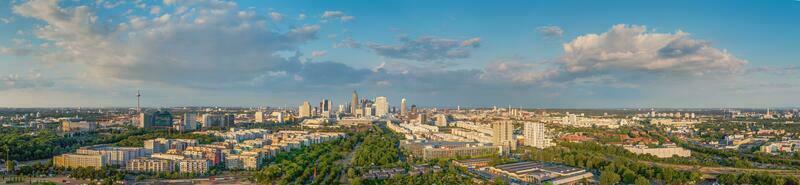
point(533, 54)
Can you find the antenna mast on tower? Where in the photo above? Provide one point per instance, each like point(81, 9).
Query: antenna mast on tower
point(138, 97)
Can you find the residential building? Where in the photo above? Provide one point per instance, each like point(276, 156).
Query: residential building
point(80, 160)
point(503, 135)
point(150, 165)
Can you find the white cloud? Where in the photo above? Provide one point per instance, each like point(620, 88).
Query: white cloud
point(337, 15)
point(15, 81)
point(427, 48)
point(517, 70)
point(347, 43)
point(550, 31)
point(277, 17)
point(473, 42)
point(332, 14)
point(210, 47)
point(319, 53)
point(633, 49)
point(347, 18)
point(301, 17)
point(155, 10)
point(6, 20)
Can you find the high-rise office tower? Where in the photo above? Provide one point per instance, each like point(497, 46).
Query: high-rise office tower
point(503, 135)
point(381, 106)
point(535, 135)
point(162, 120)
point(325, 108)
point(259, 117)
point(189, 121)
point(228, 120)
point(305, 110)
point(212, 120)
point(403, 107)
point(354, 103)
point(145, 120)
point(278, 117)
point(441, 120)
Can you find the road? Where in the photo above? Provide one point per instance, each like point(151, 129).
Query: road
point(346, 162)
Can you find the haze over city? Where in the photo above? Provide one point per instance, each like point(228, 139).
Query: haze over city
point(575, 54)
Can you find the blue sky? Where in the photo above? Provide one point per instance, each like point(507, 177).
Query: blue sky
point(437, 53)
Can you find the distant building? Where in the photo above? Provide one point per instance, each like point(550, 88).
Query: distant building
point(441, 120)
point(541, 173)
point(189, 122)
point(158, 120)
point(403, 110)
point(503, 135)
point(535, 135)
point(259, 117)
point(381, 106)
point(422, 118)
point(194, 166)
point(305, 110)
point(435, 150)
point(115, 155)
point(664, 152)
point(354, 104)
point(228, 120)
point(280, 117)
point(150, 165)
point(81, 126)
point(213, 120)
point(80, 160)
point(161, 145)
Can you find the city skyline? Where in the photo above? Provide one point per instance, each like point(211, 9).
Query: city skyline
point(529, 54)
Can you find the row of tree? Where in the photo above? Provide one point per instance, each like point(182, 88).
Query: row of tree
point(380, 148)
point(613, 168)
point(24, 146)
point(316, 164)
point(138, 140)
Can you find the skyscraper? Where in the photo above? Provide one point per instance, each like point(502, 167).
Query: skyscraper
point(305, 110)
point(381, 106)
point(325, 108)
point(212, 120)
point(162, 120)
point(503, 135)
point(535, 135)
point(403, 106)
point(354, 103)
point(259, 117)
point(189, 121)
point(145, 120)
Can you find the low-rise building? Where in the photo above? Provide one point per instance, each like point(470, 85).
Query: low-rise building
point(95, 161)
point(540, 172)
point(664, 152)
point(150, 165)
point(194, 166)
point(116, 155)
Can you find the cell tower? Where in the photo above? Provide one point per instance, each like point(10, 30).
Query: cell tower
point(138, 100)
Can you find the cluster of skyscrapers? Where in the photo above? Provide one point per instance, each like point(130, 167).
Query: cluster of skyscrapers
point(188, 122)
point(378, 107)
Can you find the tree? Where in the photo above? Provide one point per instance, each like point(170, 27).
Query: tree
point(609, 177)
point(641, 181)
point(10, 166)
